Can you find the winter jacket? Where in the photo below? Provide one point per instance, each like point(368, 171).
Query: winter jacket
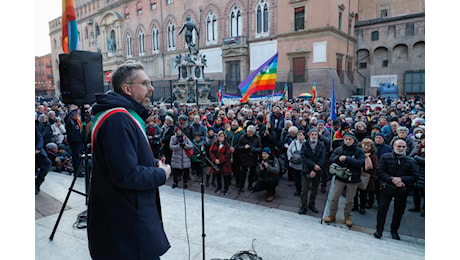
point(198, 128)
point(270, 140)
point(312, 157)
point(393, 165)
point(354, 161)
point(249, 157)
point(295, 146)
point(124, 209)
point(223, 154)
point(382, 149)
point(272, 171)
point(179, 159)
point(419, 156)
point(58, 133)
point(373, 172)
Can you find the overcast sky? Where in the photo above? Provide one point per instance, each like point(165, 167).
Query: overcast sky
point(45, 11)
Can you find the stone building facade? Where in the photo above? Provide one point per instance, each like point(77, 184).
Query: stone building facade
point(44, 81)
point(391, 46)
point(315, 39)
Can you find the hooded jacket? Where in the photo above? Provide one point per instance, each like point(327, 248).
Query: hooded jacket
point(124, 210)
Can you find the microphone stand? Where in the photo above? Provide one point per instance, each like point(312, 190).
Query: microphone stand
point(202, 184)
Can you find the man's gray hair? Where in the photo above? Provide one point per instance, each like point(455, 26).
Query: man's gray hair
point(124, 74)
point(168, 118)
point(402, 128)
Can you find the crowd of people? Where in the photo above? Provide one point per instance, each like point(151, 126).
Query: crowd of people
point(372, 138)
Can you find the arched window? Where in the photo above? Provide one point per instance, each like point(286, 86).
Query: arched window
point(262, 18)
point(236, 26)
point(171, 37)
point(141, 44)
point(155, 40)
point(129, 47)
point(211, 28)
point(111, 42)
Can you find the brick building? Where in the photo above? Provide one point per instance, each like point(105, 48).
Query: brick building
point(391, 45)
point(44, 83)
point(315, 39)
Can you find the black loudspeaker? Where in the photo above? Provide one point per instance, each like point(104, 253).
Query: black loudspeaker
point(81, 77)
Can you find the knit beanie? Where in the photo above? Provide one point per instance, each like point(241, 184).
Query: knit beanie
point(266, 150)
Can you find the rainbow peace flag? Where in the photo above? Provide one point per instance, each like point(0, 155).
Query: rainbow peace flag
point(286, 93)
point(70, 40)
point(219, 95)
point(313, 91)
point(263, 78)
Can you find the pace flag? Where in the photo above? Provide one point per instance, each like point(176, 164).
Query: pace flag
point(313, 91)
point(286, 93)
point(219, 95)
point(70, 40)
point(263, 78)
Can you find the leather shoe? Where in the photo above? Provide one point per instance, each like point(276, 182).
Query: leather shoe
point(362, 211)
point(329, 219)
point(414, 210)
point(270, 198)
point(323, 189)
point(302, 211)
point(348, 222)
point(312, 208)
point(378, 234)
point(395, 235)
point(296, 193)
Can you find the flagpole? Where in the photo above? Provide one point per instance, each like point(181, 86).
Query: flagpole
point(332, 112)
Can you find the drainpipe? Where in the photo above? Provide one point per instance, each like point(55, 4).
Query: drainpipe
point(163, 45)
point(357, 62)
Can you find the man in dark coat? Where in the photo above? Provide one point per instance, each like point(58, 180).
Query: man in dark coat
point(124, 211)
point(381, 147)
point(249, 148)
point(314, 155)
point(42, 163)
point(269, 172)
point(396, 171)
point(74, 128)
point(352, 157)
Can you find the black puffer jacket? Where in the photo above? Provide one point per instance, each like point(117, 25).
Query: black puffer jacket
point(249, 157)
point(354, 162)
point(393, 165)
point(419, 156)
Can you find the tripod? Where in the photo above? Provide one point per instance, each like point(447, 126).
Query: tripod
point(84, 160)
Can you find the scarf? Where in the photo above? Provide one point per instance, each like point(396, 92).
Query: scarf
point(368, 162)
point(312, 145)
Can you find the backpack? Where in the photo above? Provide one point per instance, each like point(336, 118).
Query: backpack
point(296, 157)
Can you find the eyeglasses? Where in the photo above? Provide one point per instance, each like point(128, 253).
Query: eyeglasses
point(145, 83)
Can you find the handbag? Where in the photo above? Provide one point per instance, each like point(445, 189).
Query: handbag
point(339, 171)
point(365, 178)
point(296, 157)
